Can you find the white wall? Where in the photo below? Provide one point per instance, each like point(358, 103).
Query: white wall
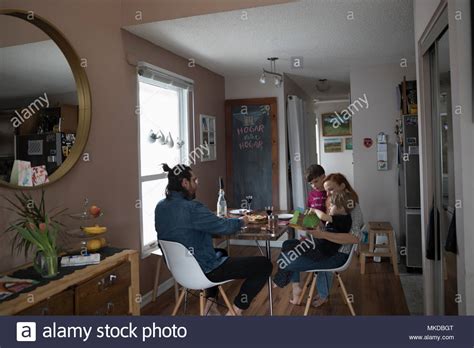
point(463, 133)
point(337, 162)
point(378, 190)
point(250, 87)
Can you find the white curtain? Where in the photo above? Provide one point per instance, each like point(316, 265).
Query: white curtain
point(298, 152)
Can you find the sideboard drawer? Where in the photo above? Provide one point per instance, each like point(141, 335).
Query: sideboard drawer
point(95, 294)
point(117, 305)
point(60, 304)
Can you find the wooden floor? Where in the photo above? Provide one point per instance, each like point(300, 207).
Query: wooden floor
point(378, 292)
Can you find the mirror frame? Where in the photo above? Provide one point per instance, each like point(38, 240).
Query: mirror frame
point(83, 94)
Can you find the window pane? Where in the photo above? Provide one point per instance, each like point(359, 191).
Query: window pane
point(152, 192)
point(159, 111)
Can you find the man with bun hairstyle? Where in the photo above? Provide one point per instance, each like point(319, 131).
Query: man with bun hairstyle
point(180, 218)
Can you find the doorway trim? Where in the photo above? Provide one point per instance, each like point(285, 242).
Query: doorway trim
point(437, 24)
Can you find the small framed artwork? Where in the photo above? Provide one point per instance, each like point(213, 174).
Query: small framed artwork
point(335, 125)
point(348, 143)
point(208, 137)
point(333, 145)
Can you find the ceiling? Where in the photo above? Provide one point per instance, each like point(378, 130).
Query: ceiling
point(32, 69)
point(321, 31)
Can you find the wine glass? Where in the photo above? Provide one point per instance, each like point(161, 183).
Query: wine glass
point(249, 198)
point(269, 210)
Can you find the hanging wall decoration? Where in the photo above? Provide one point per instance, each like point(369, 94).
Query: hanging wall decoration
point(208, 137)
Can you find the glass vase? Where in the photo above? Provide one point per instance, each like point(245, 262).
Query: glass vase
point(46, 264)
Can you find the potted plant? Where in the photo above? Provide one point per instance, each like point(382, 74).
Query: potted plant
point(36, 230)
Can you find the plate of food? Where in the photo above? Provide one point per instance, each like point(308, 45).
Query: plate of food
point(257, 218)
point(239, 211)
point(285, 217)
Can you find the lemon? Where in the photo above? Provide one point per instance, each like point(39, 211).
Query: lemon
point(94, 244)
point(103, 242)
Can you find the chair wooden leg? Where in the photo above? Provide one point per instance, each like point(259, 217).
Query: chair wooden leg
point(310, 295)
point(176, 291)
point(305, 287)
point(345, 295)
point(201, 302)
point(226, 300)
point(157, 278)
point(178, 304)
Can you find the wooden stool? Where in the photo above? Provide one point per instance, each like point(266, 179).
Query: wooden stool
point(369, 250)
point(159, 253)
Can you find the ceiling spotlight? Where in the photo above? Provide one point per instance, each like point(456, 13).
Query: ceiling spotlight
point(322, 85)
point(278, 78)
point(277, 81)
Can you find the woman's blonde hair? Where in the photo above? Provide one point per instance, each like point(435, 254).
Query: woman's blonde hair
point(343, 200)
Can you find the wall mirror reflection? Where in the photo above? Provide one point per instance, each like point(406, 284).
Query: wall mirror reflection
point(39, 104)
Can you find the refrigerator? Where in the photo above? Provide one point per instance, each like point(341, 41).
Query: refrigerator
point(40, 149)
point(409, 191)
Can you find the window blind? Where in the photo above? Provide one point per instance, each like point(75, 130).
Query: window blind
point(147, 71)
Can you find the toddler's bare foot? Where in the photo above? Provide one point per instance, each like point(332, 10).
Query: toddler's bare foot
point(296, 293)
point(318, 302)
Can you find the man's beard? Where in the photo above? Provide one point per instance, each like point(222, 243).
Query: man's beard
point(189, 195)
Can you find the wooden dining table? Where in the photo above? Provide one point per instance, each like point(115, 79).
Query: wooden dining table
point(260, 232)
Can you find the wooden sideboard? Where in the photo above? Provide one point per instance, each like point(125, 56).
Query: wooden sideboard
point(108, 288)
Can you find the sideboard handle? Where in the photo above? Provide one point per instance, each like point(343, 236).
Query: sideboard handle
point(110, 307)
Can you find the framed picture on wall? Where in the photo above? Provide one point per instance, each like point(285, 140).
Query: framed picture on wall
point(348, 143)
point(334, 125)
point(208, 137)
point(333, 145)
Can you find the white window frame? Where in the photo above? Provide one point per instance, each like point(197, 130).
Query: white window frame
point(185, 99)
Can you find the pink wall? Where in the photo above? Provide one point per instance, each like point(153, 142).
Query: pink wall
point(110, 179)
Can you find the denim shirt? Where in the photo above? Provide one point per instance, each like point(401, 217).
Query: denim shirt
point(191, 223)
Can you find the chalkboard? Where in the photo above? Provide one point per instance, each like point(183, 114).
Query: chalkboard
point(252, 153)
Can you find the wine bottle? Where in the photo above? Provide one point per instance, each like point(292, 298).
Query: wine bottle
point(221, 203)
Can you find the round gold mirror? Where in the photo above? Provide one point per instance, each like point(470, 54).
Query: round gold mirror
point(45, 102)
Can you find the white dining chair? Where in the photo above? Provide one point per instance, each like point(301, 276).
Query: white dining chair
point(156, 284)
point(187, 272)
point(313, 274)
